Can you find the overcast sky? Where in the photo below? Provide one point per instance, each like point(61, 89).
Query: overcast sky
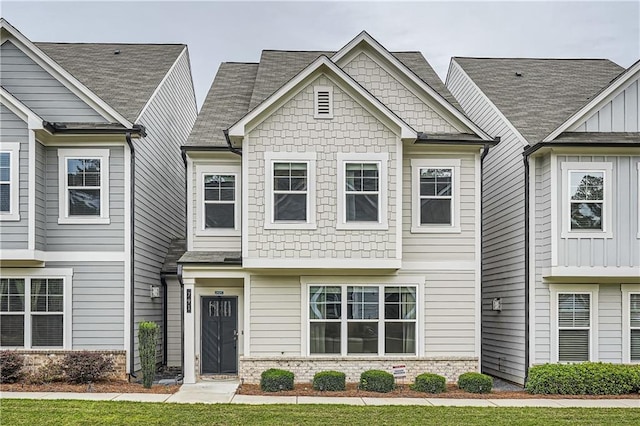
point(237, 31)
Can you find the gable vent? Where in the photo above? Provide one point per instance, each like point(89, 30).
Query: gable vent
point(323, 101)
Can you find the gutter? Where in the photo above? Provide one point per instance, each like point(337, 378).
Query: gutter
point(439, 140)
point(137, 129)
point(533, 148)
point(229, 145)
point(133, 249)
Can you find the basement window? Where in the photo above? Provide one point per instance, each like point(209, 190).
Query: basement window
point(323, 102)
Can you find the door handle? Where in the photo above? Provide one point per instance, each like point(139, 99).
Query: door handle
point(235, 334)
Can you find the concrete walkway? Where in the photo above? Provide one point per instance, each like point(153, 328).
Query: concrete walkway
point(210, 392)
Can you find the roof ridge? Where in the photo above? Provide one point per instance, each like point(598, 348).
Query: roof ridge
point(532, 58)
point(109, 44)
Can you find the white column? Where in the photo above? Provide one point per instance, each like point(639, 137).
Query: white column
point(189, 309)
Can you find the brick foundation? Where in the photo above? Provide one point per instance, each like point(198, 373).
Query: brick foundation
point(304, 368)
point(33, 359)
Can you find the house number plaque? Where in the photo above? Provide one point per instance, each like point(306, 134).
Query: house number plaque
point(188, 301)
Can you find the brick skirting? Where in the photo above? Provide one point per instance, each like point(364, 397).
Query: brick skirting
point(304, 368)
point(33, 359)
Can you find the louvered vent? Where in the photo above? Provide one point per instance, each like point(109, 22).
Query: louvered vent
point(323, 102)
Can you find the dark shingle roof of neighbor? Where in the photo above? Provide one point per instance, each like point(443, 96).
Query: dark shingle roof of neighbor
point(125, 80)
point(240, 87)
point(176, 249)
point(546, 94)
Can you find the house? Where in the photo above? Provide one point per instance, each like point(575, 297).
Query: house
point(333, 205)
point(92, 190)
point(561, 238)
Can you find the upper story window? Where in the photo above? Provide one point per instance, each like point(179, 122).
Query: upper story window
point(323, 101)
point(362, 183)
point(290, 190)
point(587, 195)
point(217, 201)
point(9, 186)
point(84, 186)
point(435, 195)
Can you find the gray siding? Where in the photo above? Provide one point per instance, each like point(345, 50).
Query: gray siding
point(622, 114)
point(503, 333)
point(174, 323)
point(542, 258)
point(41, 197)
point(160, 187)
point(40, 91)
point(14, 234)
point(74, 237)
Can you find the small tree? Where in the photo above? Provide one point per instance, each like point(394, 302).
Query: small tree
point(147, 341)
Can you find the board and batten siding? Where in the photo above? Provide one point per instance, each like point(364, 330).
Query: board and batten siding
point(440, 247)
point(159, 197)
point(81, 237)
point(275, 317)
point(621, 114)
point(14, 234)
point(40, 91)
point(623, 250)
point(503, 333)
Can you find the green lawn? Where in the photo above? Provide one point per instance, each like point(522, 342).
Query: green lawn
point(52, 412)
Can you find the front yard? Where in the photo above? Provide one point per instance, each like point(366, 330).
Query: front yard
point(51, 412)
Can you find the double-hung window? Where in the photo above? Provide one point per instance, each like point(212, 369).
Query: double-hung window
point(630, 323)
point(362, 186)
point(574, 326)
point(9, 187)
point(219, 201)
point(84, 186)
point(435, 195)
point(290, 190)
point(362, 319)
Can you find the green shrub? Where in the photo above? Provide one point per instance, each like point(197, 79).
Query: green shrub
point(274, 380)
point(377, 381)
point(475, 382)
point(430, 383)
point(587, 378)
point(51, 371)
point(147, 342)
point(85, 366)
point(11, 365)
point(329, 381)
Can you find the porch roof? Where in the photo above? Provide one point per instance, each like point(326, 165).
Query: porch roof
point(212, 257)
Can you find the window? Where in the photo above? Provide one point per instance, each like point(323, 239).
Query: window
point(362, 191)
point(32, 312)
point(634, 327)
point(9, 175)
point(290, 190)
point(586, 206)
point(219, 201)
point(435, 195)
point(323, 101)
point(574, 325)
point(84, 178)
point(362, 319)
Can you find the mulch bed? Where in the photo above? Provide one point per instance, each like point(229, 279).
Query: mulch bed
point(303, 389)
point(113, 386)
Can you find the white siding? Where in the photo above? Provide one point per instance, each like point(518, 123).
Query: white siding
point(621, 114)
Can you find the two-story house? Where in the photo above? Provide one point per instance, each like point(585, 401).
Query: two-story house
point(333, 205)
point(91, 190)
point(561, 231)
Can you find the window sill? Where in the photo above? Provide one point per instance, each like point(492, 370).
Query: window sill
point(291, 225)
point(11, 217)
point(218, 232)
point(84, 221)
point(362, 226)
point(573, 234)
point(435, 230)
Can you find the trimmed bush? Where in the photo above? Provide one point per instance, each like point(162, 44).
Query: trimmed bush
point(51, 371)
point(85, 366)
point(475, 382)
point(430, 383)
point(587, 378)
point(11, 365)
point(377, 381)
point(329, 381)
point(147, 342)
point(274, 380)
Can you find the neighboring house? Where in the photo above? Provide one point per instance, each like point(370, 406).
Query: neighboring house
point(92, 190)
point(333, 205)
point(561, 238)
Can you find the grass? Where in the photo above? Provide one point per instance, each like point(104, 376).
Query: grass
point(55, 412)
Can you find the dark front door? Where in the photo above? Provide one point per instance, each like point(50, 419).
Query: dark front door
point(219, 335)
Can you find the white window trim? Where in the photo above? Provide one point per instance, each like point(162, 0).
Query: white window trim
point(13, 148)
point(607, 207)
point(66, 274)
point(211, 169)
point(285, 157)
point(627, 290)
point(416, 166)
point(353, 157)
point(316, 113)
point(63, 194)
point(592, 290)
point(372, 281)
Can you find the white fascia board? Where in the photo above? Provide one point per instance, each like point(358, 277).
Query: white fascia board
point(32, 119)
point(347, 263)
point(364, 37)
point(239, 128)
point(62, 75)
point(596, 272)
point(596, 103)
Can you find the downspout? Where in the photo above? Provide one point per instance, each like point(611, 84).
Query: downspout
point(132, 237)
point(165, 333)
point(179, 273)
point(485, 152)
point(527, 266)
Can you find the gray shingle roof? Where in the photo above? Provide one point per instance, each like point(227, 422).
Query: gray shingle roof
point(125, 81)
point(607, 137)
point(177, 248)
point(218, 257)
point(547, 92)
point(239, 88)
